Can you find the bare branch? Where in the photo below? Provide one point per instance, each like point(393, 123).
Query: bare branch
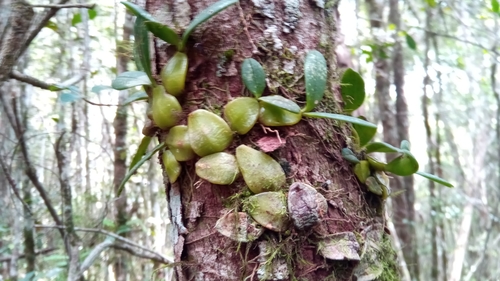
point(116, 236)
point(13, 185)
point(141, 254)
point(64, 6)
point(22, 256)
point(99, 104)
point(94, 254)
point(29, 170)
point(38, 26)
point(43, 85)
point(30, 80)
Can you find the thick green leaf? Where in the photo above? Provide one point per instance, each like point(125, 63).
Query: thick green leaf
point(134, 168)
point(135, 97)
point(434, 178)
point(381, 147)
point(163, 32)
point(405, 145)
point(98, 88)
point(281, 102)
point(431, 3)
point(403, 165)
point(138, 11)
point(353, 90)
point(348, 155)
point(253, 76)
point(141, 150)
point(141, 48)
point(365, 134)
point(339, 117)
point(410, 42)
point(130, 79)
point(315, 73)
point(203, 16)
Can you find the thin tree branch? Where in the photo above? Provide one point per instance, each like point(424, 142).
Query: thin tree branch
point(94, 254)
point(46, 86)
point(99, 104)
point(13, 185)
point(38, 27)
point(145, 255)
point(30, 80)
point(116, 236)
point(434, 33)
point(64, 6)
point(29, 170)
point(22, 256)
point(43, 85)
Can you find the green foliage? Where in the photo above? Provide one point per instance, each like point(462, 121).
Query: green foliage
point(141, 150)
point(98, 88)
point(253, 76)
point(364, 133)
point(70, 94)
point(163, 32)
point(410, 42)
point(52, 25)
point(138, 11)
point(141, 48)
point(381, 147)
point(348, 155)
point(135, 97)
point(353, 90)
point(434, 178)
point(130, 79)
point(403, 165)
point(77, 18)
point(166, 33)
point(495, 7)
point(340, 117)
point(139, 163)
point(281, 102)
point(315, 73)
point(431, 3)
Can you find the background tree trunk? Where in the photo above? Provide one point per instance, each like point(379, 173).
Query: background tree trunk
point(120, 150)
point(278, 34)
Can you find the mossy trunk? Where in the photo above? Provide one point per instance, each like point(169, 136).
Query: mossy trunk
point(277, 34)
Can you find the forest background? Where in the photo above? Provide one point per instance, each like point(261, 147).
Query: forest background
point(445, 74)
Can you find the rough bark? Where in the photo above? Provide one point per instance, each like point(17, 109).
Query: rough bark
point(120, 151)
point(278, 34)
point(71, 240)
point(28, 233)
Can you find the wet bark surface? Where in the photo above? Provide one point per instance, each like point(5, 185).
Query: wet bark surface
point(277, 34)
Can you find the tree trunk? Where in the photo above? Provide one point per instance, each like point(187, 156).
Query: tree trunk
point(402, 206)
point(278, 35)
point(120, 151)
